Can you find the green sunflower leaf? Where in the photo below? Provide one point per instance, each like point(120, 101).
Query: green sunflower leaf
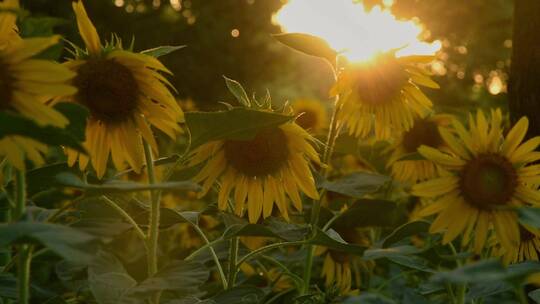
point(370, 213)
point(71, 180)
point(67, 242)
point(488, 271)
point(333, 240)
point(309, 45)
point(111, 283)
point(236, 124)
point(369, 298)
point(357, 184)
point(535, 295)
point(240, 294)
point(405, 230)
point(529, 216)
point(190, 300)
point(170, 217)
point(162, 50)
point(481, 290)
point(238, 91)
point(44, 178)
point(271, 227)
point(71, 136)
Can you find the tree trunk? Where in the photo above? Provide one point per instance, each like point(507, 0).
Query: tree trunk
point(524, 85)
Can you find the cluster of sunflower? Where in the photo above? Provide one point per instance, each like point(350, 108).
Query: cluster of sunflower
point(471, 177)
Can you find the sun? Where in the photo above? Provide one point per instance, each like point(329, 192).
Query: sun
point(350, 29)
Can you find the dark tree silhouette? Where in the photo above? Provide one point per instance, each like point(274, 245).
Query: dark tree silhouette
point(524, 86)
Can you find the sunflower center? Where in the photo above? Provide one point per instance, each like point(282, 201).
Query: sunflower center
point(424, 132)
point(263, 155)
point(488, 181)
point(308, 120)
point(6, 86)
point(107, 88)
point(380, 83)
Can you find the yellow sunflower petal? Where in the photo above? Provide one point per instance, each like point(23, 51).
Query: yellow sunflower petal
point(515, 136)
point(87, 29)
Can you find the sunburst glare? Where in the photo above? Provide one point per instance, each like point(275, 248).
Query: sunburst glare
point(350, 29)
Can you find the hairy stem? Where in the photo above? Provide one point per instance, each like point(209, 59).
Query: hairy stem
point(316, 209)
point(153, 229)
point(25, 250)
point(213, 253)
point(261, 250)
point(23, 274)
point(126, 216)
point(233, 255)
point(20, 194)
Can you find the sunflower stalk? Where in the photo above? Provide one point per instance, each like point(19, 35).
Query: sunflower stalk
point(316, 209)
point(263, 249)
point(212, 252)
point(461, 288)
point(25, 251)
point(153, 229)
point(521, 295)
point(233, 256)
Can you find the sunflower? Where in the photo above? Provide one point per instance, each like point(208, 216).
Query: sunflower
point(262, 170)
point(382, 95)
point(273, 277)
point(528, 249)
point(126, 94)
point(488, 176)
point(425, 131)
point(337, 271)
point(311, 114)
point(26, 84)
point(341, 270)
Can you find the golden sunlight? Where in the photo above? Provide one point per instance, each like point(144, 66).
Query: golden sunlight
point(350, 29)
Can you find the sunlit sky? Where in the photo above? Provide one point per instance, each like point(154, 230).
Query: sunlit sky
point(348, 28)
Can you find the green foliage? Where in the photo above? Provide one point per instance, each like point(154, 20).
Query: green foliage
point(72, 180)
point(71, 136)
point(90, 238)
point(110, 282)
point(357, 184)
point(243, 295)
point(309, 45)
point(238, 91)
point(162, 50)
point(67, 242)
point(270, 228)
point(529, 216)
point(237, 124)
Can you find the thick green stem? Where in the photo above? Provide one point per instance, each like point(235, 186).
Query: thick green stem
point(23, 275)
point(153, 229)
point(25, 251)
point(461, 288)
point(233, 255)
point(5, 217)
point(316, 209)
point(520, 293)
point(20, 194)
